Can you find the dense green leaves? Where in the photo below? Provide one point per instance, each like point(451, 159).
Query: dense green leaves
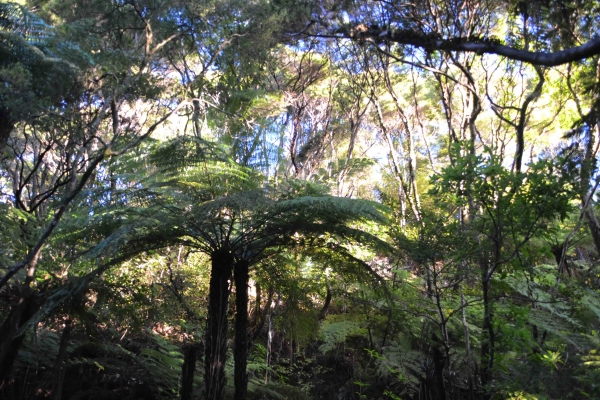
point(351, 200)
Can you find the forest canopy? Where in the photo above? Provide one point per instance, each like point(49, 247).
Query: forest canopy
point(284, 199)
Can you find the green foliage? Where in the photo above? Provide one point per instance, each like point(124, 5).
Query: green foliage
point(16, 18)
point(589, 372)
point(164, 365)
point(385, 299)
point(356, 168)
point(29, 71)
point(335, 333)
point(402, 365)
point(12, 236)
point(521, 202)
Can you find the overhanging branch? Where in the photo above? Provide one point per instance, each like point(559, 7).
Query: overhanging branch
point(479, 46)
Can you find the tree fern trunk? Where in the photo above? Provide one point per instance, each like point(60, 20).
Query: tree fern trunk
point(187, 371)
point(439, 362)
point(216, 325)
point(240, 353)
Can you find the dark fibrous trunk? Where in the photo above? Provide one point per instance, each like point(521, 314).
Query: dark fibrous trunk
point(216, 325)
point(438, 364)
point(188, 370)
point(240, 354)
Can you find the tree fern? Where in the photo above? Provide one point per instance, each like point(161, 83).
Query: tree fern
point(217, 207)
point(16, 18)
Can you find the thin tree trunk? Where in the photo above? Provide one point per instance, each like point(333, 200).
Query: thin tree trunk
point(523, 119)
point(325, 309)
point(463, 305)
point(196, 118)
point(263, 315)
point(258, 299)
point(487, 344)
point(240, 353)
point(188, 371)
point(60, 366)
point(216, 325)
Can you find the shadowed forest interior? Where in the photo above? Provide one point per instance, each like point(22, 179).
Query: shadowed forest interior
point(299, 199)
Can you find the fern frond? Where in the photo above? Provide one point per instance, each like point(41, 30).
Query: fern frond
point(335, 333)
point(559, 327)
point(16, 18)
point(186, 152)
point(404, 364)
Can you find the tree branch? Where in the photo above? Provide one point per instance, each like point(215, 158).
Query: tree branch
point(479, 46)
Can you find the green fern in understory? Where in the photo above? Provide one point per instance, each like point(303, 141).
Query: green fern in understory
point(163, 363)
point(335, 333)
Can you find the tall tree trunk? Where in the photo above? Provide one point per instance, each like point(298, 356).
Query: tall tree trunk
point(9, 343)
point(188, 370)
point(22, 311)
point(263, 315)
point(463, 305)
point(240, 352)
point(60, 366)
point(439, 362)
point(487, 344)
point(216, 325)
point(256, 313)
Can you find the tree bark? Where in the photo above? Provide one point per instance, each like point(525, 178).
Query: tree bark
point(240, 352)
point(7, 124)
point(60, 366)
point(188, 370)
point(439, 362)
point(263, 315)
point(488, 342)
point(463, 305)
point(325, 309)
point(196, 118)
point(537, 91)
point(9, 343)
point(592, 222)
point(216, 325)
point(478, 46)
point(22, 310)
